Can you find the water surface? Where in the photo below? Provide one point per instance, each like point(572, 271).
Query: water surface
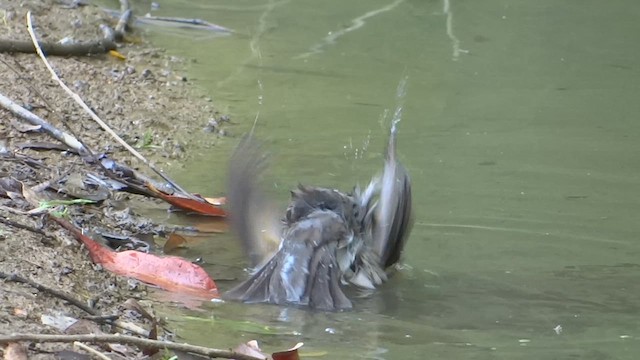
point(520, 131)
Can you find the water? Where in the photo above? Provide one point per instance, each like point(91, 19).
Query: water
point(520, 131)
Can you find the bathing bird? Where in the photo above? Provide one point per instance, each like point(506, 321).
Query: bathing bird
point(327, 240)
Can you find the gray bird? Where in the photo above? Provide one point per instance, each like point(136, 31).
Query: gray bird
point(327, 239)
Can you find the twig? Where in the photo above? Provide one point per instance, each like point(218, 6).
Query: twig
point(57, 49)
point(61, 295)
point(95, 117)
point(32, 118)
point(54, 292)
point(91, 350)
point(24, 227)
point(196, 22)
point(131, 340)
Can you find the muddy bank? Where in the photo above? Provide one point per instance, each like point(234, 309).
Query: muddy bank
point(147, 99)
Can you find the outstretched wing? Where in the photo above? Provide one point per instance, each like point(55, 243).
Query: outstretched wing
point(252, 216)
point(393, 220)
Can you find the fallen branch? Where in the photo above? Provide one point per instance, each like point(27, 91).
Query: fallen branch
point(34, 119)
point(58, 49)
point(130, 340)
point(24, 227)
point(73, 301)
point(91, 350)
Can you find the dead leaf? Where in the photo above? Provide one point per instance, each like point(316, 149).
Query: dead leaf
point(200, 206)
point(9, 185)
point(20, 312)
point(30, 196)
point(251, 348)
point(291, 354)
point(83, 326)
point(15, 351)
point(174, 241)
point(171, 273)
point(117, 55)
point(219, 201)
point(132, 304)
point(58, 321)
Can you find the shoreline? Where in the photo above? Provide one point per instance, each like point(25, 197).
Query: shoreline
point(147, 99)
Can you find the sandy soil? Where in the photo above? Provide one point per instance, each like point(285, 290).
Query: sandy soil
point(146, 98)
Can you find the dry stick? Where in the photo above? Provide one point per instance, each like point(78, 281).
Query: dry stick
point(95, 117)
point(61, 295)
point(57, 49)
point(25, 114)
point(91, 350)
point(131, 340)
point(24, 227)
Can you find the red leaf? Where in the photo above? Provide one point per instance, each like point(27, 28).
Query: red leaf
point(171, 273)
point(199, 206)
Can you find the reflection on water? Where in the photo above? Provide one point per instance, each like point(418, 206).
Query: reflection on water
point(520, 133)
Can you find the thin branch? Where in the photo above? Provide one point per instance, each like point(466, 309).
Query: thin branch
point(130, 340)
point(95, 117)
point(91, 350)
point(68, 298)
point(32, 118)
point(24, 227)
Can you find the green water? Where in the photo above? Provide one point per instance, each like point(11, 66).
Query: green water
point(520, 131)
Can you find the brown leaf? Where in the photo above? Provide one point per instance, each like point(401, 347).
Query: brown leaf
point(173, 242)
point(132, 304)
point(291, 354)
point(30, 196)
point(15, 351)
point(9, 185)
point(20, 312)
point(83, 326)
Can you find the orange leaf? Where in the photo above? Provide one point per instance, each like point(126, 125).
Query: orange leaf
point(171, 273)
point(200, 206)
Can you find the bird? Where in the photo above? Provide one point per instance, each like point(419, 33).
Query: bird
point(326, 241)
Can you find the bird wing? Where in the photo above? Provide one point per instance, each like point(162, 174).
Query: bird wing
point(393, 220)
point(252, 215)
